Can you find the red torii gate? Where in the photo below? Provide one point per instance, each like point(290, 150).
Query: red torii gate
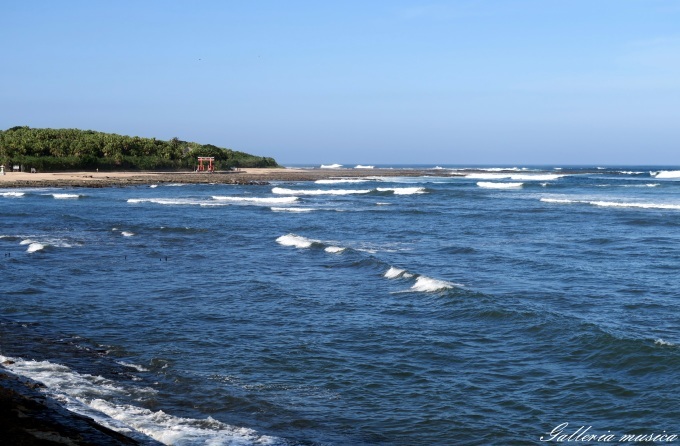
point(206, 168)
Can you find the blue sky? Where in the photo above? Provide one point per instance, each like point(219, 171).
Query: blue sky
point(449, 82)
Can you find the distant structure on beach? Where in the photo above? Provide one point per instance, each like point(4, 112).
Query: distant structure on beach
point(209, 167)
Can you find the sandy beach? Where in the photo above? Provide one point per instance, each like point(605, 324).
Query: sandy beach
point(241, 176)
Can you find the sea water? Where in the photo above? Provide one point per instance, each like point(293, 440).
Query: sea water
point(500, 306)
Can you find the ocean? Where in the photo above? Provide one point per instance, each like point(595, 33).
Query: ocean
point(485, 306)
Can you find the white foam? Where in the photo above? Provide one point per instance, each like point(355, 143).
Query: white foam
point(12, 194)
point(33, 247)
point(153, 186)
point(667, 174)
point(278, 209)
point(175, 201)
point(512, 176)
point(66, 196)
point(334, 249)
point(429, 285)
point(283, 191)
point(342, 180)
point(127, 234)
point(614, 204)
point(380, 203)
point(488, 185)
point(257, 200)
point(90, 396)
point(295, 240)
point(139, 368)
point(175, 184)
point(558, 200)
point(394, 273)
point(331, 166)
point(403, 190)
point(359, 166)
point(663, 343)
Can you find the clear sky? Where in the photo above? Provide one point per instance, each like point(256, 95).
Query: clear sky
point(369, 82)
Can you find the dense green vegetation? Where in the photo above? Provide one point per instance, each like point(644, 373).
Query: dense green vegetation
point(73, 149)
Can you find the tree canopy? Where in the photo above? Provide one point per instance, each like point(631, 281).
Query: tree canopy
point(72, 149)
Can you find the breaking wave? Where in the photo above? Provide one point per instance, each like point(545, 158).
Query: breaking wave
point(12, 194)
point(488, 185)
point(334, 249)
point(278, 209)
point(93, 396)
point(394, 272)
point(283, 191)
point(331, 166)
point(296, 241)
point(66, 196)
point(512, 176)
point(429, 285)
point(258, 200)
point(34, 246)
point(402, 190)
point(359, 166)
point(177, 201)
point(395, 190)
point(666, 174)
point(613, 204)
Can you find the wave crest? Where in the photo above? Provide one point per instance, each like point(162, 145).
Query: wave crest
point(488, 185)
point(295, 240)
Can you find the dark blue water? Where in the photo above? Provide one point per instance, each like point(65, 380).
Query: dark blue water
point(464, 308)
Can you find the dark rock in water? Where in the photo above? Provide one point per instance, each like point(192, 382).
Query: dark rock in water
point(29, 418)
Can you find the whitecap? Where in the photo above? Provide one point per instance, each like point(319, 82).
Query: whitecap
point(667, 174)
point(35, 246)
point(295, 240)
point(359, 166)
point(331, 166)
point(139, 368)
point(153, 186)
point(283, 191)
point(663, 343)
point(558, 200)
point(394, 272)
point(258, 200)
point(488, 185)
point(279, 209)
point(334, 249)
point(127, 234)
point(12, 194)
point(175, 201)
point(403, 190)
point(515, 177)
point(614, 204)
point(66, 196)
point(429, 285)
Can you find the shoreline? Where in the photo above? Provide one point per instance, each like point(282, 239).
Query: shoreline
point(255, 176)
point(29, 417)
